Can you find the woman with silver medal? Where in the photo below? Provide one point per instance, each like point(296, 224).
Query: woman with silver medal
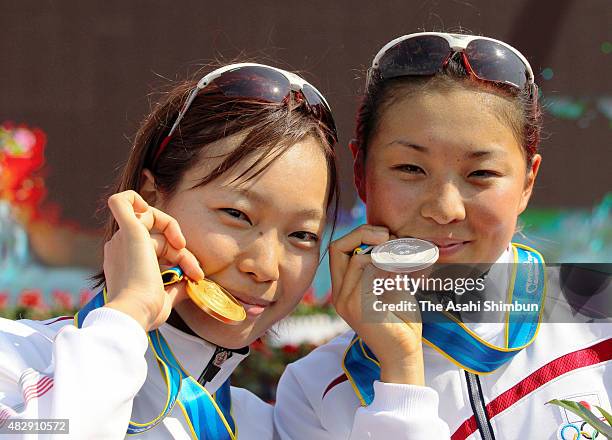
point(207, 246)
point(445, 154)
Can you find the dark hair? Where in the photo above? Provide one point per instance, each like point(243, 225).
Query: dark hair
point(270, 129)
point(523, 113)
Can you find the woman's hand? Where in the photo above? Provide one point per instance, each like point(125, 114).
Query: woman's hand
point(146, 235)
point(395, 341)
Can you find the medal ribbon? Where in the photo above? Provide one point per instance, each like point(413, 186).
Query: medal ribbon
point(458, 343)
point(208, 417)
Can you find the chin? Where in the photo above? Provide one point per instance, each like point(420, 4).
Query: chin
point(226, 335)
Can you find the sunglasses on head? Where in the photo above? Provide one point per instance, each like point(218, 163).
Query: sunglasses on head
point(425, 53)
point(257, 82)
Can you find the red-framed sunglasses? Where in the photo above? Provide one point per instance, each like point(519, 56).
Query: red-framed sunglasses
point(424, 53)
point(258, 82)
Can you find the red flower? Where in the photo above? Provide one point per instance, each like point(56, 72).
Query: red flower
point(32, 299)
point(309, 297)
point(290, 349)
point(4, 297)
point(21, 156)
point(261, 347)
point(258, 345)
point(63, 299)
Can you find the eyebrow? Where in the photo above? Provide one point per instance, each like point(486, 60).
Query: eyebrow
point(408, 144)
point(469, 154)
point(481, 153)
point(248, 194)
point(314, 213)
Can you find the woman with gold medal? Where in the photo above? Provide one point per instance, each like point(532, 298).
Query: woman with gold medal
point(446, 151)
point(208, 245)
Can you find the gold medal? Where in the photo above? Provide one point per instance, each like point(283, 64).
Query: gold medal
point(216, 301)
point(209, 296)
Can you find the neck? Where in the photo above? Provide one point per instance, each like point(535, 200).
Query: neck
point(178, 323)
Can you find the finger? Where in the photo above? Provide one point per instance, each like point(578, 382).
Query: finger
point(341, 250)
point(157, 221)
point(177, 257)
point(364, 234)
point(124, 206)
point(353, 276)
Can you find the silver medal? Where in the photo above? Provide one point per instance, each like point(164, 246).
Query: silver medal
point(405, 255)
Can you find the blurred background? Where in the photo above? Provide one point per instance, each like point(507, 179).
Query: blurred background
point(77, 77)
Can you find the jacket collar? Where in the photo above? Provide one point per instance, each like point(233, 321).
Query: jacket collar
point(496, 289)
point(196, 355)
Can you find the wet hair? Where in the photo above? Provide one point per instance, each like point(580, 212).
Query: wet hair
point(268, 131)
point(522, 112)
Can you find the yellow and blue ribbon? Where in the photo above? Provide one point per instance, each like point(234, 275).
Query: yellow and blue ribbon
point(458, 343)
point(208, 417)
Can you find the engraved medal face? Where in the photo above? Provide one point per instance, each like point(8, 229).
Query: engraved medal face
point(216, 301)
point(405, 255)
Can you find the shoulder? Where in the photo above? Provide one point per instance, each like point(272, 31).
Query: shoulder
point(253, 416)
point(314, 394)
point(325, 360)
point(317, 373)
point(28, 333)
point(27, 344)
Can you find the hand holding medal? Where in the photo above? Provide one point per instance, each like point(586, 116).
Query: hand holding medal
point(397, 344)
point(131, 268)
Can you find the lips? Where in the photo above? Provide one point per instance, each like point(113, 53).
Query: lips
point(246, 299)
point(445, 242)
point(447, 247)
point(252, 306)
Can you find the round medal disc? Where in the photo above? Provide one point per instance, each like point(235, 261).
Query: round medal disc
point(405, 255)
point(216, 301)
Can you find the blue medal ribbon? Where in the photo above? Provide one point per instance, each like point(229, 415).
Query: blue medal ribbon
point(208, 417)
point(458, 343)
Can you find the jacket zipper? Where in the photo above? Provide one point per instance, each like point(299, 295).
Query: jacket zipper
point(214, 365)
point(478, 406)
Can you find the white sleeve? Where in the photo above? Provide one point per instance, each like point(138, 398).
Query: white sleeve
point(402, 412)
point(88, 375)
point(294, 416)
point(251, 414)
point(398, 411)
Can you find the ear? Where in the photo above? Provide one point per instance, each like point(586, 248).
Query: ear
point(530, 179)
point(148, 189)
point(358, 168)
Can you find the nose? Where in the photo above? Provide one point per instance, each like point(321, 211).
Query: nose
point(260, 260)
point(444, 204)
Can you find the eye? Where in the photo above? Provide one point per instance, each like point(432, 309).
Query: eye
point(237, 214)
point(306, 236)
point(484, 173)
point(409, 169)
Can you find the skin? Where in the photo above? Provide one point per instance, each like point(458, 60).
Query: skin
point(441, 166)
point(257, 239)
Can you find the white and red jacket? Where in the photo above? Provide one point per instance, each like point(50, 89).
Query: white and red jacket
point(567, 360)
point(104, 374)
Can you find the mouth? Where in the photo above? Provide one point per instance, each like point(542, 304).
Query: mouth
point(448, 246)
point(252, 306)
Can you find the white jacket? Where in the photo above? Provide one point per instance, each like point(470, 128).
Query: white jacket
point(104, 374)
point(567, 360)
